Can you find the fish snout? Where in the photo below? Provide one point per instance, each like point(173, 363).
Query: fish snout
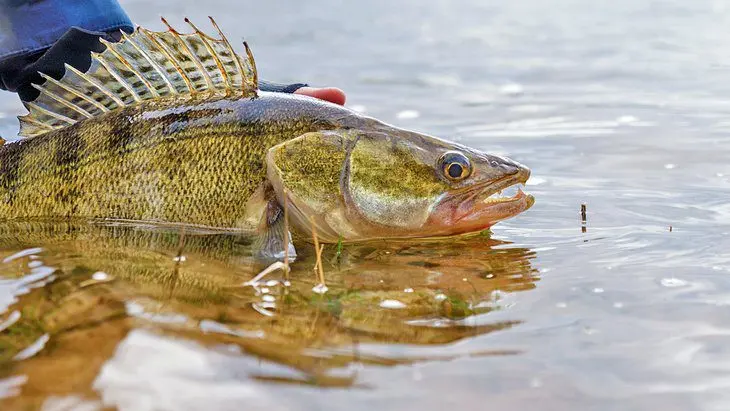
point(509, 167)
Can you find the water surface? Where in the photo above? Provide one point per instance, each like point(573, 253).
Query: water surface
point(620, 105)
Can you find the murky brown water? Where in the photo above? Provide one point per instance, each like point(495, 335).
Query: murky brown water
point(87, 293)
point(623, 105)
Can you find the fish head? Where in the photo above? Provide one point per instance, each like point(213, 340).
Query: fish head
point(383, 182)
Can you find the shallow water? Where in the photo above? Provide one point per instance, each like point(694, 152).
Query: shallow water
point(620, 105)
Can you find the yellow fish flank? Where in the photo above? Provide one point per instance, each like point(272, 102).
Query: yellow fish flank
point(171, 128)
point(163, 160)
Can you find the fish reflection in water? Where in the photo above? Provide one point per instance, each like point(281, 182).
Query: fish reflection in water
point(87, 289)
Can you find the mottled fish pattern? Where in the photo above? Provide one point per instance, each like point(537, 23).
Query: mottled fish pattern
point(162, 160)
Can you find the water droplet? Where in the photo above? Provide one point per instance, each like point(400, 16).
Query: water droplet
point(408, 114)
point(440, 297)
point(392, 304)
point(490, 275)
point(626, 119)
point(180, 259)
point(618, 304)
point(512, 89)
point(561, 305)
point(719, 175)
point(408, 290)
point(673, 282)
point(100, 276)
point(598, 290)
point(320, 289)
point(670, 166)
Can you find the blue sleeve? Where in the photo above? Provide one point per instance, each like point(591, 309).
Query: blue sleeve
point(40, 36)
point(27, 26)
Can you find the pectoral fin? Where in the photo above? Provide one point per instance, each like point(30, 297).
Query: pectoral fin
point(274, 239)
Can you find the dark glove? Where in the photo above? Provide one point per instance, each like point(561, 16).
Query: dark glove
point(74, 47)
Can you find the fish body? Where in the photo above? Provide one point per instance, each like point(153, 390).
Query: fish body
point(191, 162)
point(171, 128)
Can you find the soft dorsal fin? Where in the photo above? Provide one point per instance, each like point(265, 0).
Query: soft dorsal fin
point(144, 65)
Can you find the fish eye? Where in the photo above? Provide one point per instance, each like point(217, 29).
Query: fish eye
point(455, 165)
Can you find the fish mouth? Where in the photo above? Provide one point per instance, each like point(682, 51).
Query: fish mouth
point(480, 206)
point(499, 204)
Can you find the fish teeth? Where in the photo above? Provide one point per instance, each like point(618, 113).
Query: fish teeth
point(505, 194)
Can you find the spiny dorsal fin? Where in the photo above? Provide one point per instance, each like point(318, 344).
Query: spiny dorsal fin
point(144, 65)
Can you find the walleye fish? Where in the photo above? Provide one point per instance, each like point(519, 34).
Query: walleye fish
point(168, 127)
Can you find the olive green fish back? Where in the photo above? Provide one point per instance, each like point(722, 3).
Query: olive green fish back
point(144, 65)
point(189, 162)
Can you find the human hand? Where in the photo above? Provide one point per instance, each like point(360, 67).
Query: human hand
point(331, 94)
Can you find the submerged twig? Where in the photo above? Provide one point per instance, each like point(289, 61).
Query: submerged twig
point(179, 258)
point(321, 287)
point(318, 263)
point(287, 239)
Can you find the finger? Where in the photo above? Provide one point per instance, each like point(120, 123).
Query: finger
point(331, 94)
